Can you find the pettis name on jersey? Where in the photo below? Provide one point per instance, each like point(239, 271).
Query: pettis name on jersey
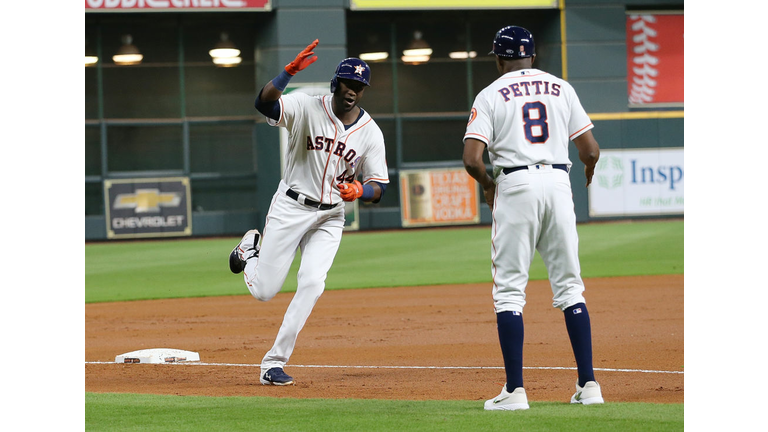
point(529, 88)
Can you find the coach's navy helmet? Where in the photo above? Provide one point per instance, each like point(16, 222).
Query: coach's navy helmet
point(513, 42)
point(352, 69)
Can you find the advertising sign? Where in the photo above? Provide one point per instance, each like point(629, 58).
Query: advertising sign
point(176, 5)
point(655, 59)
point(450, 4)
point(438, 197)
point(142, 208)
point(638, 182)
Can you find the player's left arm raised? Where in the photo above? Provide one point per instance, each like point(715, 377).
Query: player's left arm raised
point(266, 102)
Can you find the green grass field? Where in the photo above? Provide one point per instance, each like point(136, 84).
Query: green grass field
point(188, 268)
point(124, 412)
point(194, 268)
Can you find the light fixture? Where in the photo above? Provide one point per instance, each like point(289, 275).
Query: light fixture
point(462, 54)
point(225, 53)
point(90, 55)
point(414, 59)
point(418, 50)
point(128, 54)
point(374, 56)
point(227, 61)
point(376, 48)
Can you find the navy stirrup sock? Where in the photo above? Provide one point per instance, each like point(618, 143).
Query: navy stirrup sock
point(511, 334)
point(580, 332)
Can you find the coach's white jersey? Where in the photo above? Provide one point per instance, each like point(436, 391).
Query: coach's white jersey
point(322, 154)
point(527, 117)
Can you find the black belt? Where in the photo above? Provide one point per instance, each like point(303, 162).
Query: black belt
point(291, 193)
point(563, 167)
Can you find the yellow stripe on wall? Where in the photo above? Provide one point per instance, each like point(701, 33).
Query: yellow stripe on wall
point(563, 45)
point(637, 115)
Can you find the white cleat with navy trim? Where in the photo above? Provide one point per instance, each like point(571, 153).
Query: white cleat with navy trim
point(588, 395)
point(517, 400)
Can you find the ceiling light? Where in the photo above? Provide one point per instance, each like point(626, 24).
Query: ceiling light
point(374, 56)
point(128, 54)
point(227, 61)
point(90, 55)
point(417, 47)
point(462, 54)
point(415, 59)
point(224, 48)
point(418, 52)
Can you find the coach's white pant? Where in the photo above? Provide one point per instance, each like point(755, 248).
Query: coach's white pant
point(288, 227)
point(533, 210)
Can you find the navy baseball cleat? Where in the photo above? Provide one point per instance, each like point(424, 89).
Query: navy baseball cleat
point(276, 376)
point(246, 249)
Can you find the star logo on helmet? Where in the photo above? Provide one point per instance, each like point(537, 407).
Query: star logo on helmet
point(359, 69)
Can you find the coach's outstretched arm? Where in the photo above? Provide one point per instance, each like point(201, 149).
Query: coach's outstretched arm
point(268, 96)
point(589, 153)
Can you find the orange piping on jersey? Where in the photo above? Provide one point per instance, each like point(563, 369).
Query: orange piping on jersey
point(330, 152)
point(335, 170)
point(363, 125)
point(376, 179)
point(467, 135)
point(580, 130)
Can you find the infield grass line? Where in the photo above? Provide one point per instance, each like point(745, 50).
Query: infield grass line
point(405, 367)
point(144, 270)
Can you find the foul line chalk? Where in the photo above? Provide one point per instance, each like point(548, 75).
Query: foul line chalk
point(414, 367)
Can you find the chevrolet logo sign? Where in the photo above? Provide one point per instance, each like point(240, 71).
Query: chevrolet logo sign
point(147, 200)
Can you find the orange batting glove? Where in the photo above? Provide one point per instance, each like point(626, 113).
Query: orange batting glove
point(304, 59)
point(351, 191)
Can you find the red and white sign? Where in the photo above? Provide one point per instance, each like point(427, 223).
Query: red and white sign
point(655, 59)
point(175, 5)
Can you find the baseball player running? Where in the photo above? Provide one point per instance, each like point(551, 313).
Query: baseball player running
point(526, 118)
point(332, 141)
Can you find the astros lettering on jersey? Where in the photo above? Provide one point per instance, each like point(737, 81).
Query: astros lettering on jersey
point(332, 154)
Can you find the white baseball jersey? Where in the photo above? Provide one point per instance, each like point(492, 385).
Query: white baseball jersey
point(527, 117)
point(322, 153)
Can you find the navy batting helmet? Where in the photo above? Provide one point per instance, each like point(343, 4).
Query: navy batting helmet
point(353, 69)
point(513, 42)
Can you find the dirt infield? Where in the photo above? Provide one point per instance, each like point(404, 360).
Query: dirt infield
point(637, 325)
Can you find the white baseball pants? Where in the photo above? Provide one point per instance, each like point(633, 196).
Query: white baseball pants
point(533, 210)
point(290, 226)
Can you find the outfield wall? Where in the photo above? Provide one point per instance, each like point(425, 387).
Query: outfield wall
point(177, 115)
